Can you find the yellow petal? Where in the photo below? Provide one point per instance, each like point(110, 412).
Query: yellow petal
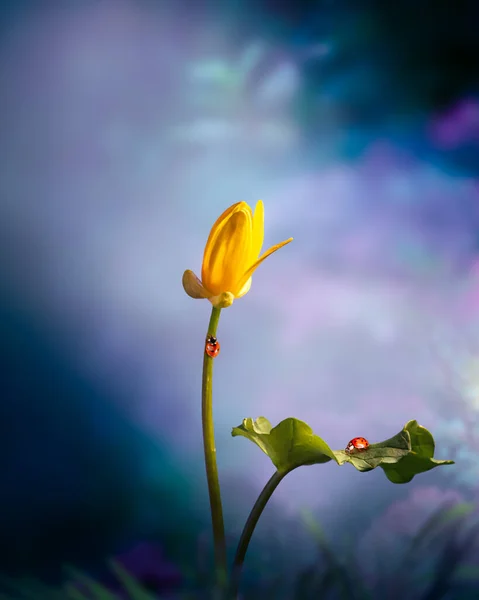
point(229, 254)
point(258, 230)
point(245, 289)
point(193, 286)
point(217, 228)
point(256, 264)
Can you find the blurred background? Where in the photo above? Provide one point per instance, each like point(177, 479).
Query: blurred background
point(126, 128)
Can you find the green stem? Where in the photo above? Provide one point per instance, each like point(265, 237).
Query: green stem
point(249, 527)
point(210, 458)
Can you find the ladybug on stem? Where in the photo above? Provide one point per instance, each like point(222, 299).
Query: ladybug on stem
point(212, 347)
point(357, 444)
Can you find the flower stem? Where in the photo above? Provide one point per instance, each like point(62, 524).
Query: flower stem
point(210, 458)
point(249, 527)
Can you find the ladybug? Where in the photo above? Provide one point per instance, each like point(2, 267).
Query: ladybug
point(212, 347)
point(357, 444)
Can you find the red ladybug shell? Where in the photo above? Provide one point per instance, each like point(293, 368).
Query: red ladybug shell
point(358, 444)
point(212, 347)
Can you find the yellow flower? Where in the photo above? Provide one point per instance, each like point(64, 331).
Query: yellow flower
point(231, 256)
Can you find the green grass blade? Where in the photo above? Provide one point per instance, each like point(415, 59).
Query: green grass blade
point(131, 585)
point(99, 591)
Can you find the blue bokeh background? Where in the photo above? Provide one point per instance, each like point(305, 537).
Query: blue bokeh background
point(127, 127)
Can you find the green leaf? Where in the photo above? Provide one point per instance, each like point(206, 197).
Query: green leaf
point(382, 453)
point(292, 443)
point(419, 459)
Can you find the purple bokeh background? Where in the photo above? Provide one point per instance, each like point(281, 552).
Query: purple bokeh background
point(126, 130)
